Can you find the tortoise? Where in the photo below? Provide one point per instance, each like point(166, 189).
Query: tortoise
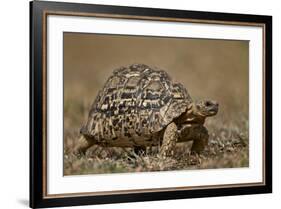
point(140, 106)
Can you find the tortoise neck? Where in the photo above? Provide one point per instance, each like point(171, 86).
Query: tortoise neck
point(193, 116)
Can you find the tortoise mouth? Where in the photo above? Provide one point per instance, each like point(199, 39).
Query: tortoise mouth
point(213, 110)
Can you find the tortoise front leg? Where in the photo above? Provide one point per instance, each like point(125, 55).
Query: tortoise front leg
point(169, 140)
point(200, 139)
point(83, 145)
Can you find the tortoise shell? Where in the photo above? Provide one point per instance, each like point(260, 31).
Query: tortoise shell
point(135, 102)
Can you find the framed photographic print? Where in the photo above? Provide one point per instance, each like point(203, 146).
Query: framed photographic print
point(140, 104)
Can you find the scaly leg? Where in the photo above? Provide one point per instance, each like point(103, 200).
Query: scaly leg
point(169, 140)
point(83, 145)
point(200, 139)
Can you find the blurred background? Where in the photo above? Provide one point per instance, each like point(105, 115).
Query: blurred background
point(215, 69)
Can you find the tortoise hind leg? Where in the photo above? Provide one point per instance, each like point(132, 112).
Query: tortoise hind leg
point(83, 145)
point(200, 139)
point(169, 140)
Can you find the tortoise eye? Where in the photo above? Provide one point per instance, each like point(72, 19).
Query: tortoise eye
point(208, 103)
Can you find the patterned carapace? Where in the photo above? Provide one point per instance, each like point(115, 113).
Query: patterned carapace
point(135, 104)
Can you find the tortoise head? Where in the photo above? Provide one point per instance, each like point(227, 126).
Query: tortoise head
point(205, 108)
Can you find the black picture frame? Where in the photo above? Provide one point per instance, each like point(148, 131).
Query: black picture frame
point(38, 11)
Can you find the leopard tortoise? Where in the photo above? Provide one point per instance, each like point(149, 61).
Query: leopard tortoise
point(140, 106)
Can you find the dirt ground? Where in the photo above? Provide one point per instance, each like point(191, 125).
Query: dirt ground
point(214, 69)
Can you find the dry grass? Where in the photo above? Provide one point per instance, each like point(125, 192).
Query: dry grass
point(209, 69)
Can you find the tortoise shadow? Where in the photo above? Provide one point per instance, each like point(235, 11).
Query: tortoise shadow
point(23, 202)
